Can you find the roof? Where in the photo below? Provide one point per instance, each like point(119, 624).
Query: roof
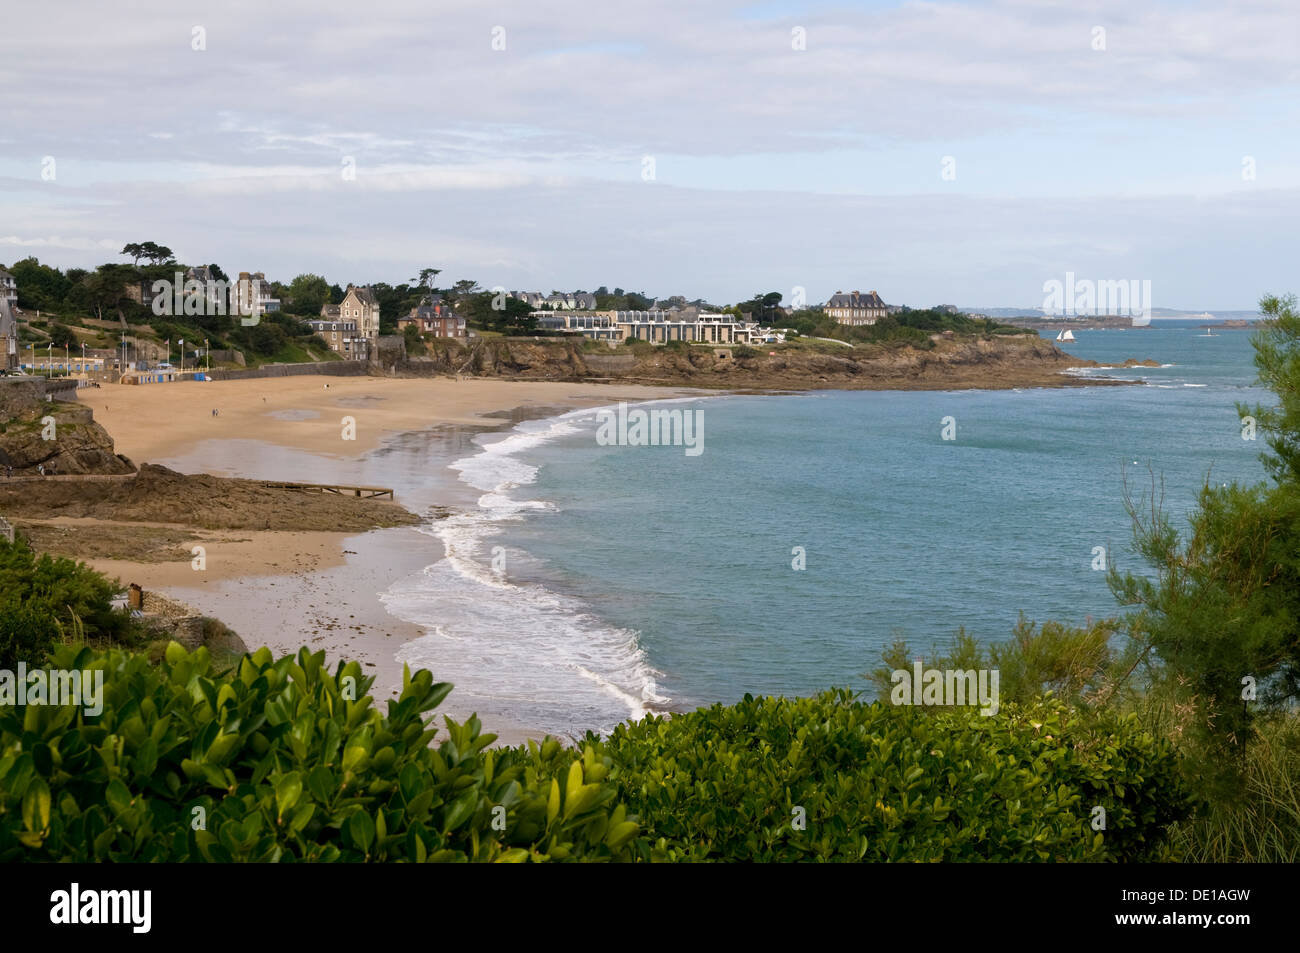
point(5, 274)
point(364, 294)
point(330, 311)
point(855, 300)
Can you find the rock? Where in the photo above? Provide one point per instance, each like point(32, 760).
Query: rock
point(79, 446)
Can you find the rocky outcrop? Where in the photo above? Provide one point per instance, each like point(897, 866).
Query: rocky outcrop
point(159, 495)
point(62, 436)
point(990, 362)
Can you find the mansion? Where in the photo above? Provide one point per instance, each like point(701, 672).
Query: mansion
point(350, 328)
point(856, 308)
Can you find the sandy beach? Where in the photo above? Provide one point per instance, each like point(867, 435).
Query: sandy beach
point(320, 589)
point(153, 423)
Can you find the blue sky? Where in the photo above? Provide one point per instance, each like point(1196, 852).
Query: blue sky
point(1104, 138)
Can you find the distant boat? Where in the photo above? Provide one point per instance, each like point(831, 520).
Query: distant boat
point(1066, 335)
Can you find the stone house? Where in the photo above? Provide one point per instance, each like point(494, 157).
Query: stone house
point(856, 308)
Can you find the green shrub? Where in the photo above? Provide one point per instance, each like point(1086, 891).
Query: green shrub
point(880, 782)
point(58, 591)
point(26, 633)
point(272, 761)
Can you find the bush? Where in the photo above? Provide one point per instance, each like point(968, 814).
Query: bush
point(26, 633)
point(57, 589)
point(272, 761)
point(880, 782)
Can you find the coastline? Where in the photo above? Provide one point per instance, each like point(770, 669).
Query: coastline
point(322, 589)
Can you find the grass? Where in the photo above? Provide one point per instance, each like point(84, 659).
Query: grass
point(1261, 823)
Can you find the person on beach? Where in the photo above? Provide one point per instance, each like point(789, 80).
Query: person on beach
point(40, 468)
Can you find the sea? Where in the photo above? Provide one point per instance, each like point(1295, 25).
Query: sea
point(589, 582)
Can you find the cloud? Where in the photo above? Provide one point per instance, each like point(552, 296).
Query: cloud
point(819, 164)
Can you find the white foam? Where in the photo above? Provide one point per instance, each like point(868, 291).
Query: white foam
point(516, 648)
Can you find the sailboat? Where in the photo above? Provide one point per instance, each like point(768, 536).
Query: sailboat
point(1066, 335)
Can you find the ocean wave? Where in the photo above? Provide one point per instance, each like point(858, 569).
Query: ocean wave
point(512, 646)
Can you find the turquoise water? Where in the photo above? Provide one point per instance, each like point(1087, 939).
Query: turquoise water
point(641, 578)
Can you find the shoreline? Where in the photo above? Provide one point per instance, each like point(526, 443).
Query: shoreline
point(322, 589)
point(287, 589)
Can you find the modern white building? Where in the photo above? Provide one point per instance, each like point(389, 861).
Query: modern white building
point(658, 327)
point(597, 325)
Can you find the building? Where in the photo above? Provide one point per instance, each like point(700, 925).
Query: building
point(8, 335)
point(687, 324)
point(361, 305)
point(67, 363)
point(341, 336)
point(567, 301)
point(8, 289)
point(434, 316)
point(856, 308)
point(211, 293)
point(658, 327)
point(597, 325)
point(252, 295)
point(350, 328)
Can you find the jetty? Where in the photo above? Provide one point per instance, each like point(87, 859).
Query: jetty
point(339, 489)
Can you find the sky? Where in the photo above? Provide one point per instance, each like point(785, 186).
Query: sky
point(935, 152)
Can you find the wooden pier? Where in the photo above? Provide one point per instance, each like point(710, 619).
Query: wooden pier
point(364, 492)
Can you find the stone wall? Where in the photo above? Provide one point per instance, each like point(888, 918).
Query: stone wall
point(331, 368)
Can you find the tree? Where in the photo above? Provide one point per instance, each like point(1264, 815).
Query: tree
point(61, 336)
point(514, 317)
point(462, 289)
point(414, 340)
point(308, 293)
point(152, 252)
point(39, 286)
point(158, 254)
point(1221, 617)
point(104, 288)
point(426, 279)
